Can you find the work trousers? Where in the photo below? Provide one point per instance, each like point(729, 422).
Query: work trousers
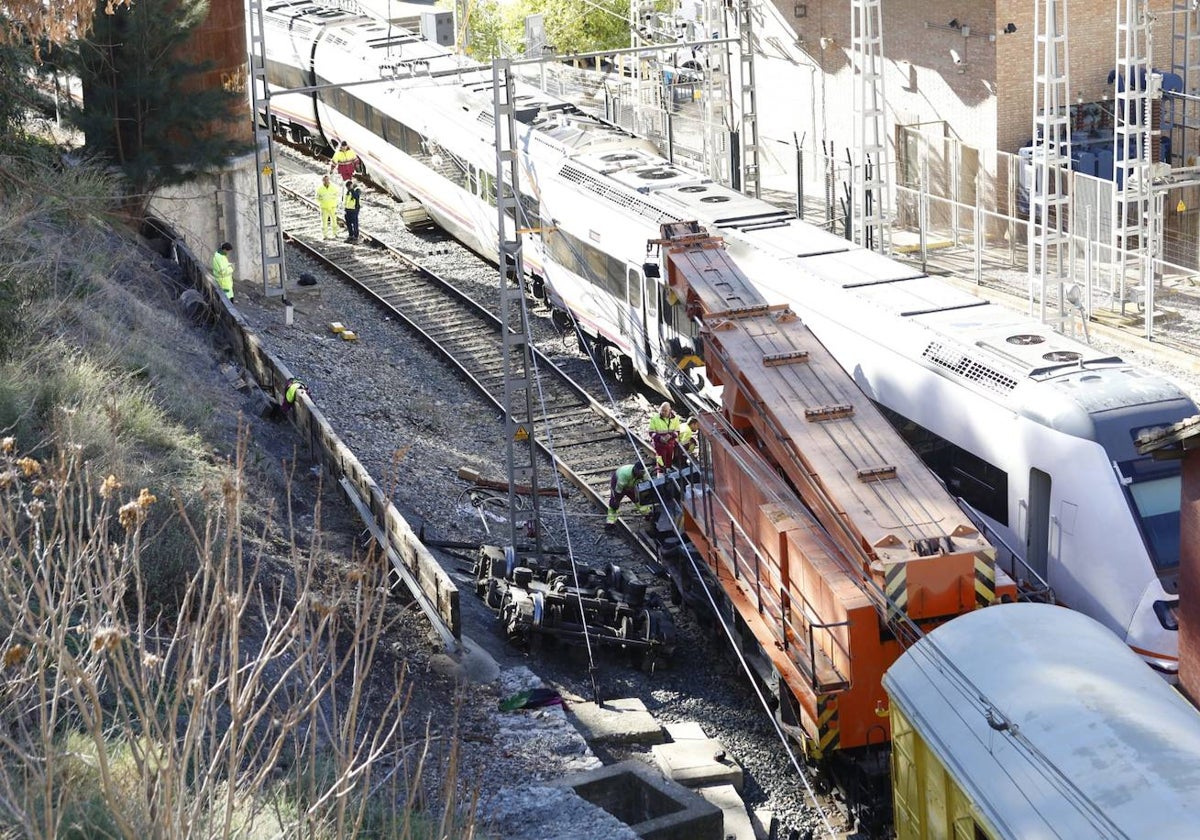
point(352, 223)
point(615, 496)
point(329, 226)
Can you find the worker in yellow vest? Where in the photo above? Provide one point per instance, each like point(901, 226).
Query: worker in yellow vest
point(345, 162)
point(291, 390)
point(664, 433)
point(327, 199)
point(222, 269)
point(689, 440)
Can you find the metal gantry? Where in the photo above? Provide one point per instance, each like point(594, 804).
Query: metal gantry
point(870, 177)
point(270, 231)
point(1134, 239)
point(751, 184)
point(1048, 240)
point(519, 381)
point(1183, 112)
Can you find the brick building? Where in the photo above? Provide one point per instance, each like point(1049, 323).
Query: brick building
point(964, 68)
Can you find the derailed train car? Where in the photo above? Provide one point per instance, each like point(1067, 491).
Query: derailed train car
point(1030, 721)
point(1033, 430)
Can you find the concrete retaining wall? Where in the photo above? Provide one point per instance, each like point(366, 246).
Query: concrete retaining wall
point(403, 546)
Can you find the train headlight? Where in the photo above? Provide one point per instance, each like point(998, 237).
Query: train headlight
point(1168, 614)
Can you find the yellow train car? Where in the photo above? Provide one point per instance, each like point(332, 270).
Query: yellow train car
point(1028, 721)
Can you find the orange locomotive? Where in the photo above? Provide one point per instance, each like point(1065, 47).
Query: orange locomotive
point(834, 543)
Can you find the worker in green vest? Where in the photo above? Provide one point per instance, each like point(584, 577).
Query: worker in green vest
point(623, 485)
point(222, 269)
point(291, 390)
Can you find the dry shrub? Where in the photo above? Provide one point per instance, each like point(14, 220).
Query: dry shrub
point(240, 715)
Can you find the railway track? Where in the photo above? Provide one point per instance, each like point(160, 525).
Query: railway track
point(576, 431)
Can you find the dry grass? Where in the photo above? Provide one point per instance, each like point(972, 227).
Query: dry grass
point(241, 715)
point(157, 678)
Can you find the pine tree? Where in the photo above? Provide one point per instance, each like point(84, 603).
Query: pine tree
point(142, 109)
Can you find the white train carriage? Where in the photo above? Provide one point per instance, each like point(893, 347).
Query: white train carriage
point(1028, 721)
point(1035, 431)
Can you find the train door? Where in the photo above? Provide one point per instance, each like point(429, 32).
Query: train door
point(1037, 522)
point(633, 325)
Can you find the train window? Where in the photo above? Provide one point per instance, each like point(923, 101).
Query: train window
point(1156, 501)
point(530, 217)
point(980, 483)
point(633, 290)
point(374, 121)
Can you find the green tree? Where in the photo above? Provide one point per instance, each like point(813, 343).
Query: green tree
point(578, 26)
point(143, 110)
point(492, 30)
point(15, 60)
point(572, 26)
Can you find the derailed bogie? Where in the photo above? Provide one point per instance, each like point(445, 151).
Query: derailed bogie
point(536, 603)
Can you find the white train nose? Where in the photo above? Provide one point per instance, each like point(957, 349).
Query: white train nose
point(1153, 632)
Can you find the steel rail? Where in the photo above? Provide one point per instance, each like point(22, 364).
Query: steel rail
point(583, 436)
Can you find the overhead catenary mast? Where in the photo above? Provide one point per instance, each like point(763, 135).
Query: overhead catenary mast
point(270, 229)
point(1048, 242)
point(1134, 214)
point(870, 198)
point(519, 381)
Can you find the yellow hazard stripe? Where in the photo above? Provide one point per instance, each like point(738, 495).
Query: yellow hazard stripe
point(985, 580)
point(895, 585)
point(828, 734)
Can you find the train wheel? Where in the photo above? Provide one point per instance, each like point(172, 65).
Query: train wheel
point(620, 365)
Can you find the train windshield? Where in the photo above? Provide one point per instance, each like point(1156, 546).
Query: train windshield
point(1154, 492)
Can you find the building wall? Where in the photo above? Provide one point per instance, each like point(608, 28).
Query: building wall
point(987, 100)
point(217, 207)
point(1091, 41)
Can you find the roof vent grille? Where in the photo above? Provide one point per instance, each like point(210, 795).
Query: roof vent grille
point(969, 369)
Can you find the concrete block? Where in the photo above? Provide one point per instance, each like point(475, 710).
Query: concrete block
point(698, 763)
point(737, 824)
point(686, 731)
point(763, 821)
point(616, 722)
point(653, 806)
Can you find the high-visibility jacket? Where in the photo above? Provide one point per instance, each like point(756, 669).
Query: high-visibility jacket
point(625, 478)
point(663, 429)
point(327, 196)
point(353, 195)
point(222, 270)
point(687, 437)
point(294, 387)
point(346, 161)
